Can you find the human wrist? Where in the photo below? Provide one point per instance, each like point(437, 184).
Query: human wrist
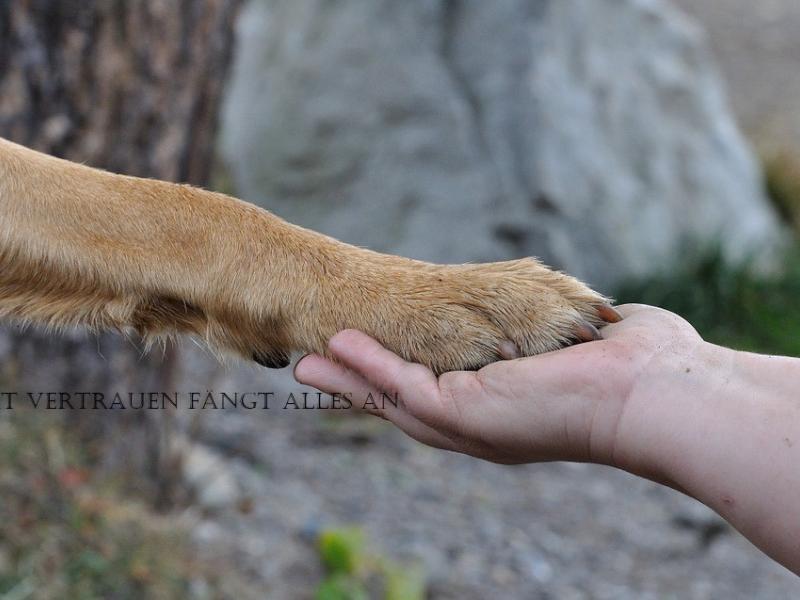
point(670, 404)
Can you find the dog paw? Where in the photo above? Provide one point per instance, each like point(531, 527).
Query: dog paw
point(462, 317)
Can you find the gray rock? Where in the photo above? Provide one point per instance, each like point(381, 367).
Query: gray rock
point(594, 134)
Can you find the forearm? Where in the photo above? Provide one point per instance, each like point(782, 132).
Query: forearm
point(726, 429)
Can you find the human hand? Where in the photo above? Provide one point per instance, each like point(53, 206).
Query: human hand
point(651, 398)
point(581, 403)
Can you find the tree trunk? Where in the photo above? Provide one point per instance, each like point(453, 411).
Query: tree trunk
point(132, 86)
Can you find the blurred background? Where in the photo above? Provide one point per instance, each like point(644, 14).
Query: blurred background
point(649, 147)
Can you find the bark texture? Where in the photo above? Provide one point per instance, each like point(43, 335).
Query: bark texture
point(132, 86)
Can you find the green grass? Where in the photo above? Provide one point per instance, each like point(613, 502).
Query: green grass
point(732, 305)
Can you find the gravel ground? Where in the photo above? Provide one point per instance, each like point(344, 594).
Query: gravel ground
point(480, 530)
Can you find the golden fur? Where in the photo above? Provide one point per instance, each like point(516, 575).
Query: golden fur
point(80, 246)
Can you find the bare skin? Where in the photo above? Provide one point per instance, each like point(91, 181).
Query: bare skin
point(651, 398)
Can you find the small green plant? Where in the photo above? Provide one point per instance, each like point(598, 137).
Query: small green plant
point(355, 574)
point(404, 583)
point(342, 550)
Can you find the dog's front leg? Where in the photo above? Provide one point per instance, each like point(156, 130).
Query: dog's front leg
point(79, 246)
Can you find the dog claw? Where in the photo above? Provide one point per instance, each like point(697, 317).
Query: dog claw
point(587, 332)
point(609, 314)
point(277, 361)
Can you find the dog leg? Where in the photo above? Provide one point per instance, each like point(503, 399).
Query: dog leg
point(84, 247)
